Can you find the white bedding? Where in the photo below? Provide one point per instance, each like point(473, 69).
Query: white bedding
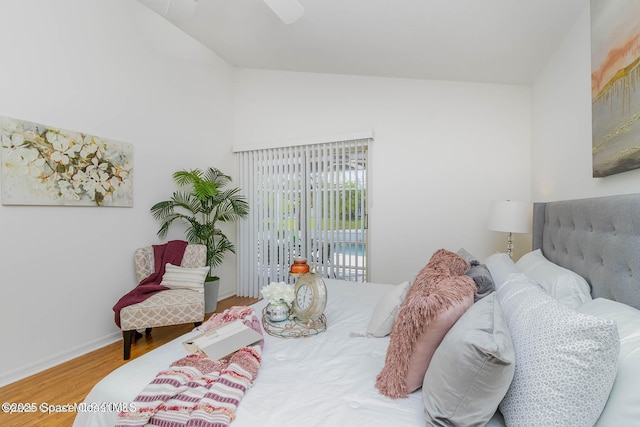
point(324, 380)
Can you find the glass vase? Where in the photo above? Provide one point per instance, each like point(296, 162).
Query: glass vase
point(277, 311)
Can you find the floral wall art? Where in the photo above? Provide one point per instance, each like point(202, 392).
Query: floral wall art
point(615, 86)
point(44, 165)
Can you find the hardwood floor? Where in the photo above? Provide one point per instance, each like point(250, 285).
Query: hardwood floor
point(71, 381)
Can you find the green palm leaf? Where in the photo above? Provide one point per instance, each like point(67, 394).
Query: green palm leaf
point(199, 204)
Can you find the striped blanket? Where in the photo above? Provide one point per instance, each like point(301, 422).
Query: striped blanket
point(196, 390)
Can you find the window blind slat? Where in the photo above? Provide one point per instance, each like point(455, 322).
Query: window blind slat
point(305, 201)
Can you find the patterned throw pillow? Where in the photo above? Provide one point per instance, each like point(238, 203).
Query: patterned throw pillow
point(566, 362)
point(184, 278)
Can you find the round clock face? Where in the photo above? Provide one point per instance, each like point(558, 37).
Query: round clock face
point(304, 297)
point(310, 297)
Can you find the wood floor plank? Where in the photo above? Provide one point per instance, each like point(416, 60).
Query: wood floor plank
point(70, 382)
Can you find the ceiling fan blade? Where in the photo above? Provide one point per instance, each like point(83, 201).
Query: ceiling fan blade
point(289, 11)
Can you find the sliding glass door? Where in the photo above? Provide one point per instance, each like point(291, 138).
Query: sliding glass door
point(305, 201)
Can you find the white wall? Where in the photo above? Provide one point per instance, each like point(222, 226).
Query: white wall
point(117, 70)
point(561, 123)
point(442, 152)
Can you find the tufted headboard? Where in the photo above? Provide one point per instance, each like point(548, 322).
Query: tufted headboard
point(598, 238)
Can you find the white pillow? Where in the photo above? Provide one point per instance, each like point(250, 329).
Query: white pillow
point(623, 406)
point(500, 266)
point(564, 285)
point(386, 311)
point(184, 278)
point(566, 362)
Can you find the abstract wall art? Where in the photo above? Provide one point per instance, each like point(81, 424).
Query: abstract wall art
point(615, 86)
point(45, 165)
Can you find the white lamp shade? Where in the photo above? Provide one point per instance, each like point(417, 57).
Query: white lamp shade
point(510, 216)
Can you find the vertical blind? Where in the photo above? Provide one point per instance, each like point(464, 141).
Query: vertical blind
point(306, 201)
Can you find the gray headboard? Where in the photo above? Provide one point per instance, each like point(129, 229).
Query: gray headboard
point(598, 238)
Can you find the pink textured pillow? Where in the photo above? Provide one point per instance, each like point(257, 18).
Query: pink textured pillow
point(428, 342)
point(439, 296)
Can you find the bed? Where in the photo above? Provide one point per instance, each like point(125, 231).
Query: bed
point(334, 378)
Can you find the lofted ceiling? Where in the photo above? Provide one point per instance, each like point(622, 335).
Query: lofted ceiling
point(492, 41)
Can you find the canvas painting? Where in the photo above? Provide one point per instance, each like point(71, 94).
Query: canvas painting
point(44, 165)
point(615, 86)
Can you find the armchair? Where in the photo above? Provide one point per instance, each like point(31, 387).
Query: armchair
point(169, 307)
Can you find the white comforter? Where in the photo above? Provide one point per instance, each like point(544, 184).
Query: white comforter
point(324, 380)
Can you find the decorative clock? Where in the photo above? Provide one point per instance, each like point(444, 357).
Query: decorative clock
point(310, 297)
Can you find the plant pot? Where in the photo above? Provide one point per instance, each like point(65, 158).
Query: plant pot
point(211, 288)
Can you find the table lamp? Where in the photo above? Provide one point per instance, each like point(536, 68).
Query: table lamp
point(510, 217)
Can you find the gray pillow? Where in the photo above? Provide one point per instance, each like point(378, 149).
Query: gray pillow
point(462, 253)
point(472, 368)
point(484, 282)
point(480, 275)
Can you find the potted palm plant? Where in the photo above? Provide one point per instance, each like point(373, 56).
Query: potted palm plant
point(200, 204)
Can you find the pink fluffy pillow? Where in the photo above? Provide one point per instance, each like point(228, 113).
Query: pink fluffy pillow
point(439, 296)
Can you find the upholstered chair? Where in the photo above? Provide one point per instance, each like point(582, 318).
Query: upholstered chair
point(169, 307)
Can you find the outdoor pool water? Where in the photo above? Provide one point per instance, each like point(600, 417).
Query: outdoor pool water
point(351, 249)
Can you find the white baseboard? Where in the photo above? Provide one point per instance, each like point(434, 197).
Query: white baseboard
point(226, 295)
point(44, 364)
point(56, 359)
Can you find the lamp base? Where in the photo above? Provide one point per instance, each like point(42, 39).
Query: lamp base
point(509, 244)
